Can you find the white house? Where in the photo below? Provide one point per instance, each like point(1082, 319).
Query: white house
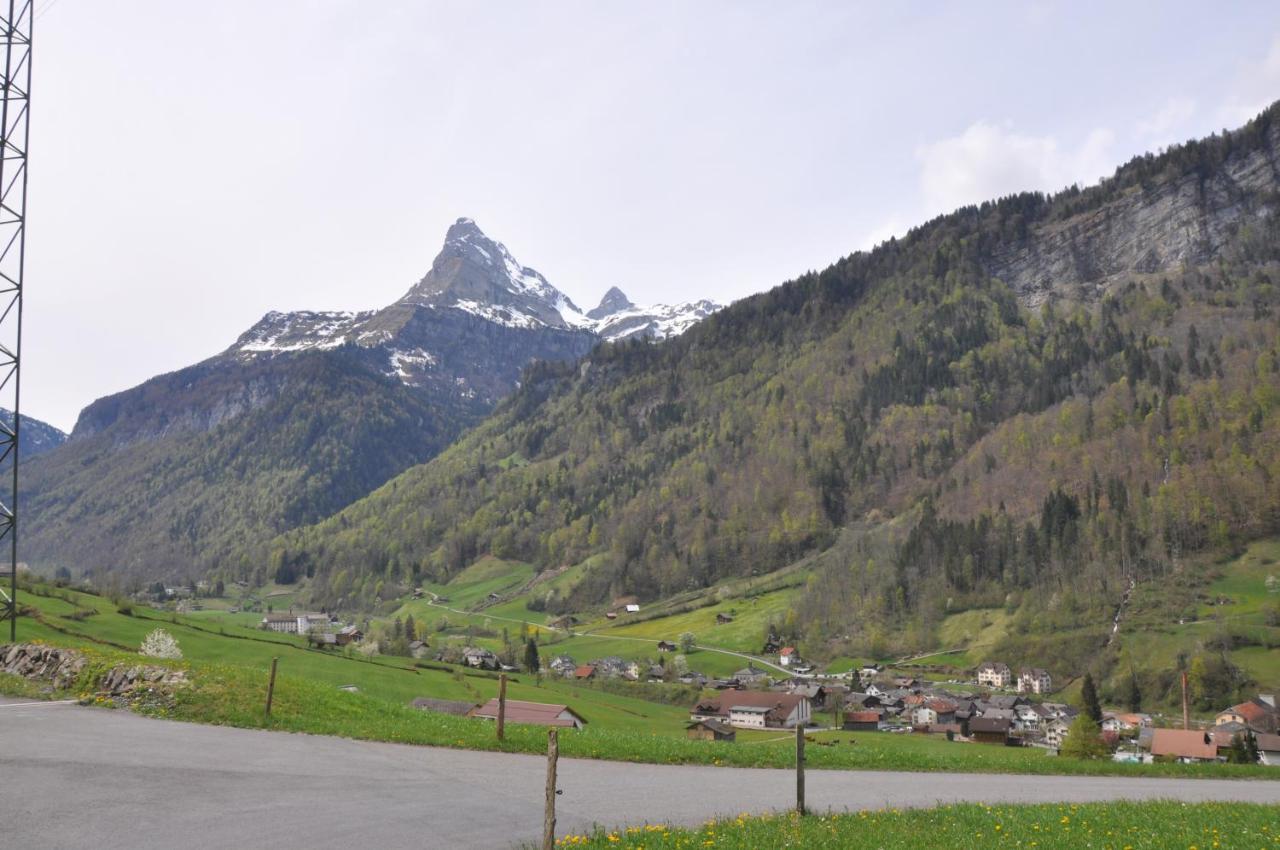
point(280, 623)
point(788, 656)
point(633, 609)
point(1034, 680)
point(1027, 718)
point(748, 716)
point(312, 622)
point(995, 674)
point(1055, 732)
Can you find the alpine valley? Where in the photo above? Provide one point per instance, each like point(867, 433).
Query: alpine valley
point(1026, 429)
point(305, 413)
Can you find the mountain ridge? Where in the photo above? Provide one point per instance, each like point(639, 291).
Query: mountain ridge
point(431, 364)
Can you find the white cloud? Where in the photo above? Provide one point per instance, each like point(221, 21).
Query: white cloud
point(987, 161)
point(1174, 114)
point(1257, 85)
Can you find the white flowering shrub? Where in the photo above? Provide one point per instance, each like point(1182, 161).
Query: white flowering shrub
point(160, 644)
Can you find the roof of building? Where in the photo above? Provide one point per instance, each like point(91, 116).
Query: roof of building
point(989, 724)
point(519, 711)
point(1253, 711)
point(787, 650)
point(1183, 743)
point(998, 666)
point(584, 670)
point(862, 717)
point(778, 704)
point(1033, 671)
point(1268, 743)
point(714, 725)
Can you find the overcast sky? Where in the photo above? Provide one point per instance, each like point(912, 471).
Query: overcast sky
point(196, 164)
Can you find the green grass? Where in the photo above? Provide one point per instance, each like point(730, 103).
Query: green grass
point(751, 618)
point(389, 678)
point(229, 670)
point(1135, 826)
point(233, 695)
point(976, 631)
point(1244, 583)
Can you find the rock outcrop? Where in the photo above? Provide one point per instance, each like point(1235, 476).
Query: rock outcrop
point(63, 670)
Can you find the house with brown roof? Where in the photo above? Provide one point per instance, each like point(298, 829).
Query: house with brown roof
point(990, 730)
point(934, 712)
point(1268, 749)
point(861, 721)
point(666, 646)
point(1259, 714)
point(722, 618)
point(1185, 745)
point(754, 709)
point(585, 671)
point(532, 713)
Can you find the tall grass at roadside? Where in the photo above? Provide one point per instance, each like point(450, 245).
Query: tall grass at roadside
point(1107, 826)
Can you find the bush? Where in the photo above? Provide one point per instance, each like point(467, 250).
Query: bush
point(160, 644)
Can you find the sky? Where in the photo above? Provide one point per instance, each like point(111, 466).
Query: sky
point(195, 165)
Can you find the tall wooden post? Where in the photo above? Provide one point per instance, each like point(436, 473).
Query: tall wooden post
point(502, 706)
point(271, 685)
point(799, 769)
point(1186, 706)
point(549, 818)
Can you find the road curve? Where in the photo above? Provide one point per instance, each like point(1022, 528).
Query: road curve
point(78, 777)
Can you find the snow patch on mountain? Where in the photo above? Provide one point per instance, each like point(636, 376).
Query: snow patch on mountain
point(279, 333)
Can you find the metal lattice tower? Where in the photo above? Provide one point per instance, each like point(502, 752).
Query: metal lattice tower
point(16, 18)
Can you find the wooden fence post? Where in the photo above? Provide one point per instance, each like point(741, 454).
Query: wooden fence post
point(799, 769)
point(271, 685)
point(549, 819)
point(502, 706)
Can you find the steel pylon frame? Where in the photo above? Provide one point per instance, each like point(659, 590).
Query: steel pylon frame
point(16, 19)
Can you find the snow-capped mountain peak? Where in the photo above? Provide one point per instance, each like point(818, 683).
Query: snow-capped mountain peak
point(474, 275)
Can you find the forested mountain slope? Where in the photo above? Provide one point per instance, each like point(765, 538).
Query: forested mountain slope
point(304, 413)
point(940, 436)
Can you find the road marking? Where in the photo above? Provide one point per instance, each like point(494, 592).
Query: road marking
point(43, 702)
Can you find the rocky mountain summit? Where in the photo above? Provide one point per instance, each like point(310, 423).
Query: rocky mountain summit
point(472, 276)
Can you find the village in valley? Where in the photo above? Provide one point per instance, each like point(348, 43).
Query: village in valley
point(781, 691)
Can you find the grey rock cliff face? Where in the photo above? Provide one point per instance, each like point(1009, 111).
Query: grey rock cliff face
point(613, 301)
point(1184, 221)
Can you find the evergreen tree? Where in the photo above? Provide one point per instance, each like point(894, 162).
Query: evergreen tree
point(397, 629)
point(1251, 747)
point(531, 661)
point(1133, 694)
point(1239, 750)
point(410, 628)
point(1089, 699)
point(1083, 740)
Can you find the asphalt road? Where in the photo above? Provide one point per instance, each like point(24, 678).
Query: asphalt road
point(73, 777)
